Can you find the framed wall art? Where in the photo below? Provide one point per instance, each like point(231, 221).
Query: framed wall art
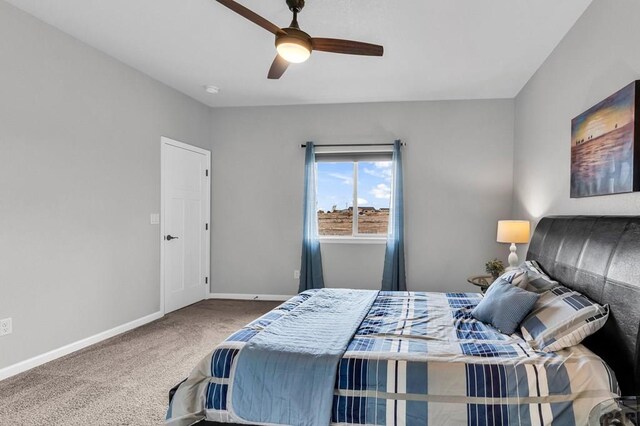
point(605, 155)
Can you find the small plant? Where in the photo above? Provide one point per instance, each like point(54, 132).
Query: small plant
point(494, 267)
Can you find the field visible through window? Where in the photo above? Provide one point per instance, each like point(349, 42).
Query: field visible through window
point(336, 197)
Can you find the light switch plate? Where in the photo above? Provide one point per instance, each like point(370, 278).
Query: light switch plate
point(155, 218)
point(296, 275)
point(5, 326)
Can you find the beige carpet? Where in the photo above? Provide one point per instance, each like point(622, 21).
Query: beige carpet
point(124, 380)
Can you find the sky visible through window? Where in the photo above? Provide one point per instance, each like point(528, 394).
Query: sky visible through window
point(335, 185)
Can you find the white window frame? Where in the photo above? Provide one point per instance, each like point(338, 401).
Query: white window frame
point(355, 237)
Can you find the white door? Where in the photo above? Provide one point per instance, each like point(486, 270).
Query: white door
point(185, 224)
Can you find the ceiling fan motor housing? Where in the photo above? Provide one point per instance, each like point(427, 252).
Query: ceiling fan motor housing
point(296, 36)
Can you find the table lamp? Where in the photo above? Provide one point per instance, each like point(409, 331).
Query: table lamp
point(513, 232)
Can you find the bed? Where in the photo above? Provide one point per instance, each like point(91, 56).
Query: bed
point(420, 358)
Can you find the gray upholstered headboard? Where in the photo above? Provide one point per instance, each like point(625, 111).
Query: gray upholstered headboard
point(599, 257)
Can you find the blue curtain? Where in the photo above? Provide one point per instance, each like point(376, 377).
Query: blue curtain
point(394, 277)
point(311, 265)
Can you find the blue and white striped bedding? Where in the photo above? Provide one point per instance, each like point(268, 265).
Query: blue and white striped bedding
point(421, 359)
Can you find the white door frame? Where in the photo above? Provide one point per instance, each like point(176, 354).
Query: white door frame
point(164, 141)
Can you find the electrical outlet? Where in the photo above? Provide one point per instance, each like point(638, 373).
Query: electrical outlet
point(296, 274)
point(5, 326)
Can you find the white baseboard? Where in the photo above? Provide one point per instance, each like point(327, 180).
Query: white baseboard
point(243, 296)
point(30, 363)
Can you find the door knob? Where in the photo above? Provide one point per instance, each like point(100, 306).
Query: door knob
point(169, 238)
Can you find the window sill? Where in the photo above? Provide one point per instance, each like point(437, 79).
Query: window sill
point(353, 240)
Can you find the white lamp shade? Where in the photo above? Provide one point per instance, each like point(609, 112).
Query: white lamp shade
point(514, 231)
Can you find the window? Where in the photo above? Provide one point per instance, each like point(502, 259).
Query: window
point(360, 183)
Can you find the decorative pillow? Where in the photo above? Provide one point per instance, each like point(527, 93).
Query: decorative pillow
point(517, 277)
point(562, 318)
point(504, 306)
point(538, 281)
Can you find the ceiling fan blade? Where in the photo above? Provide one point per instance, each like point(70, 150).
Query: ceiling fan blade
point(278, 68)
point(346, 46)
point(251, 15)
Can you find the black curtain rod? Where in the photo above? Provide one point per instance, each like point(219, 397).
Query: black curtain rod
point(355, 144)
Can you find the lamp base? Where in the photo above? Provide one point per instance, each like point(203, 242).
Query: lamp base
point(513, 257)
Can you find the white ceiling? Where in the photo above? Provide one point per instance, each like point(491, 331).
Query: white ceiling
point(434, 49)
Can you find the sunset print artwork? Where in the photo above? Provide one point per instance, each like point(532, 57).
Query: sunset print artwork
point(603, 146)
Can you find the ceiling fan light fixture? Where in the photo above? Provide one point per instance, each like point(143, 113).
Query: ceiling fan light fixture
point(294, 52)
point(295, 46)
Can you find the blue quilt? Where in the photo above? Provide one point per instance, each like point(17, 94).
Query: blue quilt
point(421, 359)
point(295, 359)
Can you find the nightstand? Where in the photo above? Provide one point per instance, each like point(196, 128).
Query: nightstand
point(482, 281)
point(624, 410)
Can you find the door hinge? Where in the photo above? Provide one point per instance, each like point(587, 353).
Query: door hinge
point(206, 280)
point(206, 172)
point(206, 226)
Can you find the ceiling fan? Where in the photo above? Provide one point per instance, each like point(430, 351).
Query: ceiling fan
point(294, 45)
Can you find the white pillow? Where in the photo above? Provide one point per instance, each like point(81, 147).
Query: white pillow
point(517, 277)
point(537, 280)
point(562, 318)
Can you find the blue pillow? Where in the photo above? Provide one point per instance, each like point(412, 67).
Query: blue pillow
point(504, 306)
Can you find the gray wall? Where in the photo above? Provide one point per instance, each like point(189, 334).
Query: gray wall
point(79, 176)
point(458, 183)
point(598, 56)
